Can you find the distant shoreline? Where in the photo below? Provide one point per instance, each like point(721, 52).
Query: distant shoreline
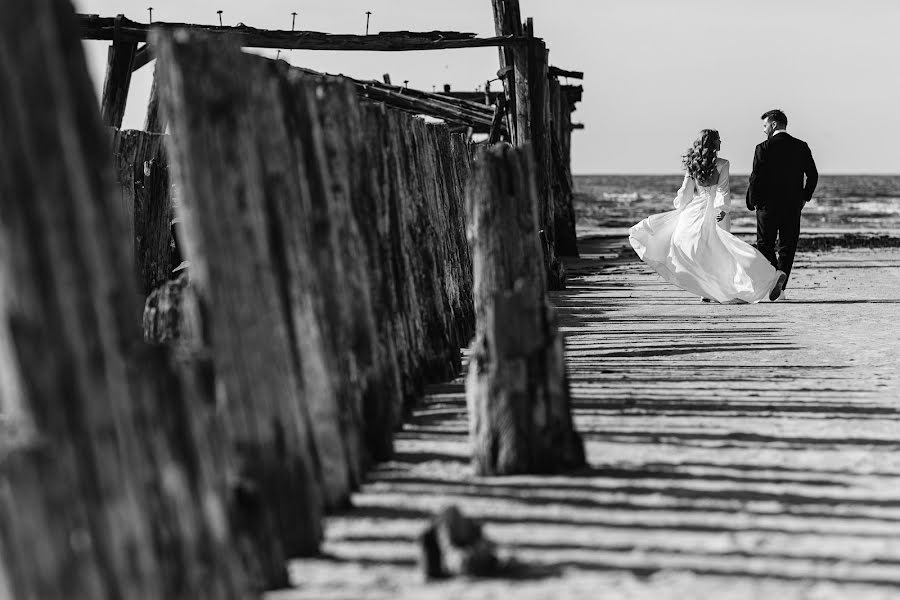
point(735, 173)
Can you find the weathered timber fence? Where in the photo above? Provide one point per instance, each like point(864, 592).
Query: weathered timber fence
point(330, 277)
point(532, 108)
point(327, 247)
point(118, 492)
point(517, 389)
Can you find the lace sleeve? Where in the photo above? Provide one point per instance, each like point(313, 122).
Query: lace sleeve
point(723, 190)
point(685, 193)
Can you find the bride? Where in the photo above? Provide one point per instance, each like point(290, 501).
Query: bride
point(689, 249)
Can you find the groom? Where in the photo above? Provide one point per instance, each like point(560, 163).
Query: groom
point(777, 190)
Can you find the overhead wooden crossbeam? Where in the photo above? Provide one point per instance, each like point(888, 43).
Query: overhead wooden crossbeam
point(95, 27)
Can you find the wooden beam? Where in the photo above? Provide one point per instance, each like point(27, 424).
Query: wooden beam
point(557, 72)
point(513, 68)
point(142, 57)
point(424, 106)
point(455, 111)
point(156, 121)
point(477, 97)
point(94, 27)
point(119, 61)
point(497, 123)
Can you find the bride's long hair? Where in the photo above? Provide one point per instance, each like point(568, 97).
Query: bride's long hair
point(700, 159)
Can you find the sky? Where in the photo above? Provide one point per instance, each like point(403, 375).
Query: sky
point(656, 71)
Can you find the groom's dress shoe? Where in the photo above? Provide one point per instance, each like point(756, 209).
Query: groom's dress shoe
point(781, 297)
point(778, 288)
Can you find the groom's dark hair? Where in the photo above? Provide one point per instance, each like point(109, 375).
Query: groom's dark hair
point(776, 116)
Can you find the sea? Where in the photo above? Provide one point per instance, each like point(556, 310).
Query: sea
point(852, 203)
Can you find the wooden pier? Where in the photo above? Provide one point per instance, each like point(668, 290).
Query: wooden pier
point(302, 246)
point(292, 319)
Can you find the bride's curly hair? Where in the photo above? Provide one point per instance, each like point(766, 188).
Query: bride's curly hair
point(700, 159)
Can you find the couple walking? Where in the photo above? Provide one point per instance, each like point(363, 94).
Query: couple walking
point(692, 246)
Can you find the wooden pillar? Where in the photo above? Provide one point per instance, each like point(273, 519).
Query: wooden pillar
point(156, 121)
point(517, 390)
point(565, 128)
point(513, 72)
point(116, 495)
point(560, 176)
point(119, 66)
point(233, 166)
point(540, 137)
point(526, 69)
point(143, 173)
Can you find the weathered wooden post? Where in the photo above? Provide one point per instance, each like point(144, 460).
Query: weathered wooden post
point(143, 173)
point(561, 107)
point(513, 69)
point(517, 390)
point(232, 162)
point(561, 188)
point(155, 121)
point(115, 494)
point(526, 70)
point(119, 66)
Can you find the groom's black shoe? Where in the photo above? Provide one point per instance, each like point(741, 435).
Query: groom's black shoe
point(778, 287)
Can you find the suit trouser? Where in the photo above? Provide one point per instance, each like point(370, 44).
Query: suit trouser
point(782, 225)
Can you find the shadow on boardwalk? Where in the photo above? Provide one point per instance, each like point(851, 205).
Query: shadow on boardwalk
point(736, 452)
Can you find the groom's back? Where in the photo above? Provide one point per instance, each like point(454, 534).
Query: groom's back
point(786, 160)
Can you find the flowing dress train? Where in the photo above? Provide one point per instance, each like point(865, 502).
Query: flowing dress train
point(687, 247)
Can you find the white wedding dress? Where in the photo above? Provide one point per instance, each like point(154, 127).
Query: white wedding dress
point(687, 247)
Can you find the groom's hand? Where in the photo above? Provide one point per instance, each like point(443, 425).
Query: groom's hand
point(720, 216)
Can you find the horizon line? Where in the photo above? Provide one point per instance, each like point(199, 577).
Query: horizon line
point(663, 174)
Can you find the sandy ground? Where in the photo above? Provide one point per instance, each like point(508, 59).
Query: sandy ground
point(736, 451)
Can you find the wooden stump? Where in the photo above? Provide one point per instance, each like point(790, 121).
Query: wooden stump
point(516, 389)
point(117, 495)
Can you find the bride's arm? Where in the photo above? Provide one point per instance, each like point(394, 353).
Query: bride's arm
point(722, 203)
point(685, 193)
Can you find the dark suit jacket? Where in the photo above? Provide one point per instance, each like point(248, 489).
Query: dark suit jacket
point(779, 165)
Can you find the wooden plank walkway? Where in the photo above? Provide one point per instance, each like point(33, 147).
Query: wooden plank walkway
point(735, 451)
